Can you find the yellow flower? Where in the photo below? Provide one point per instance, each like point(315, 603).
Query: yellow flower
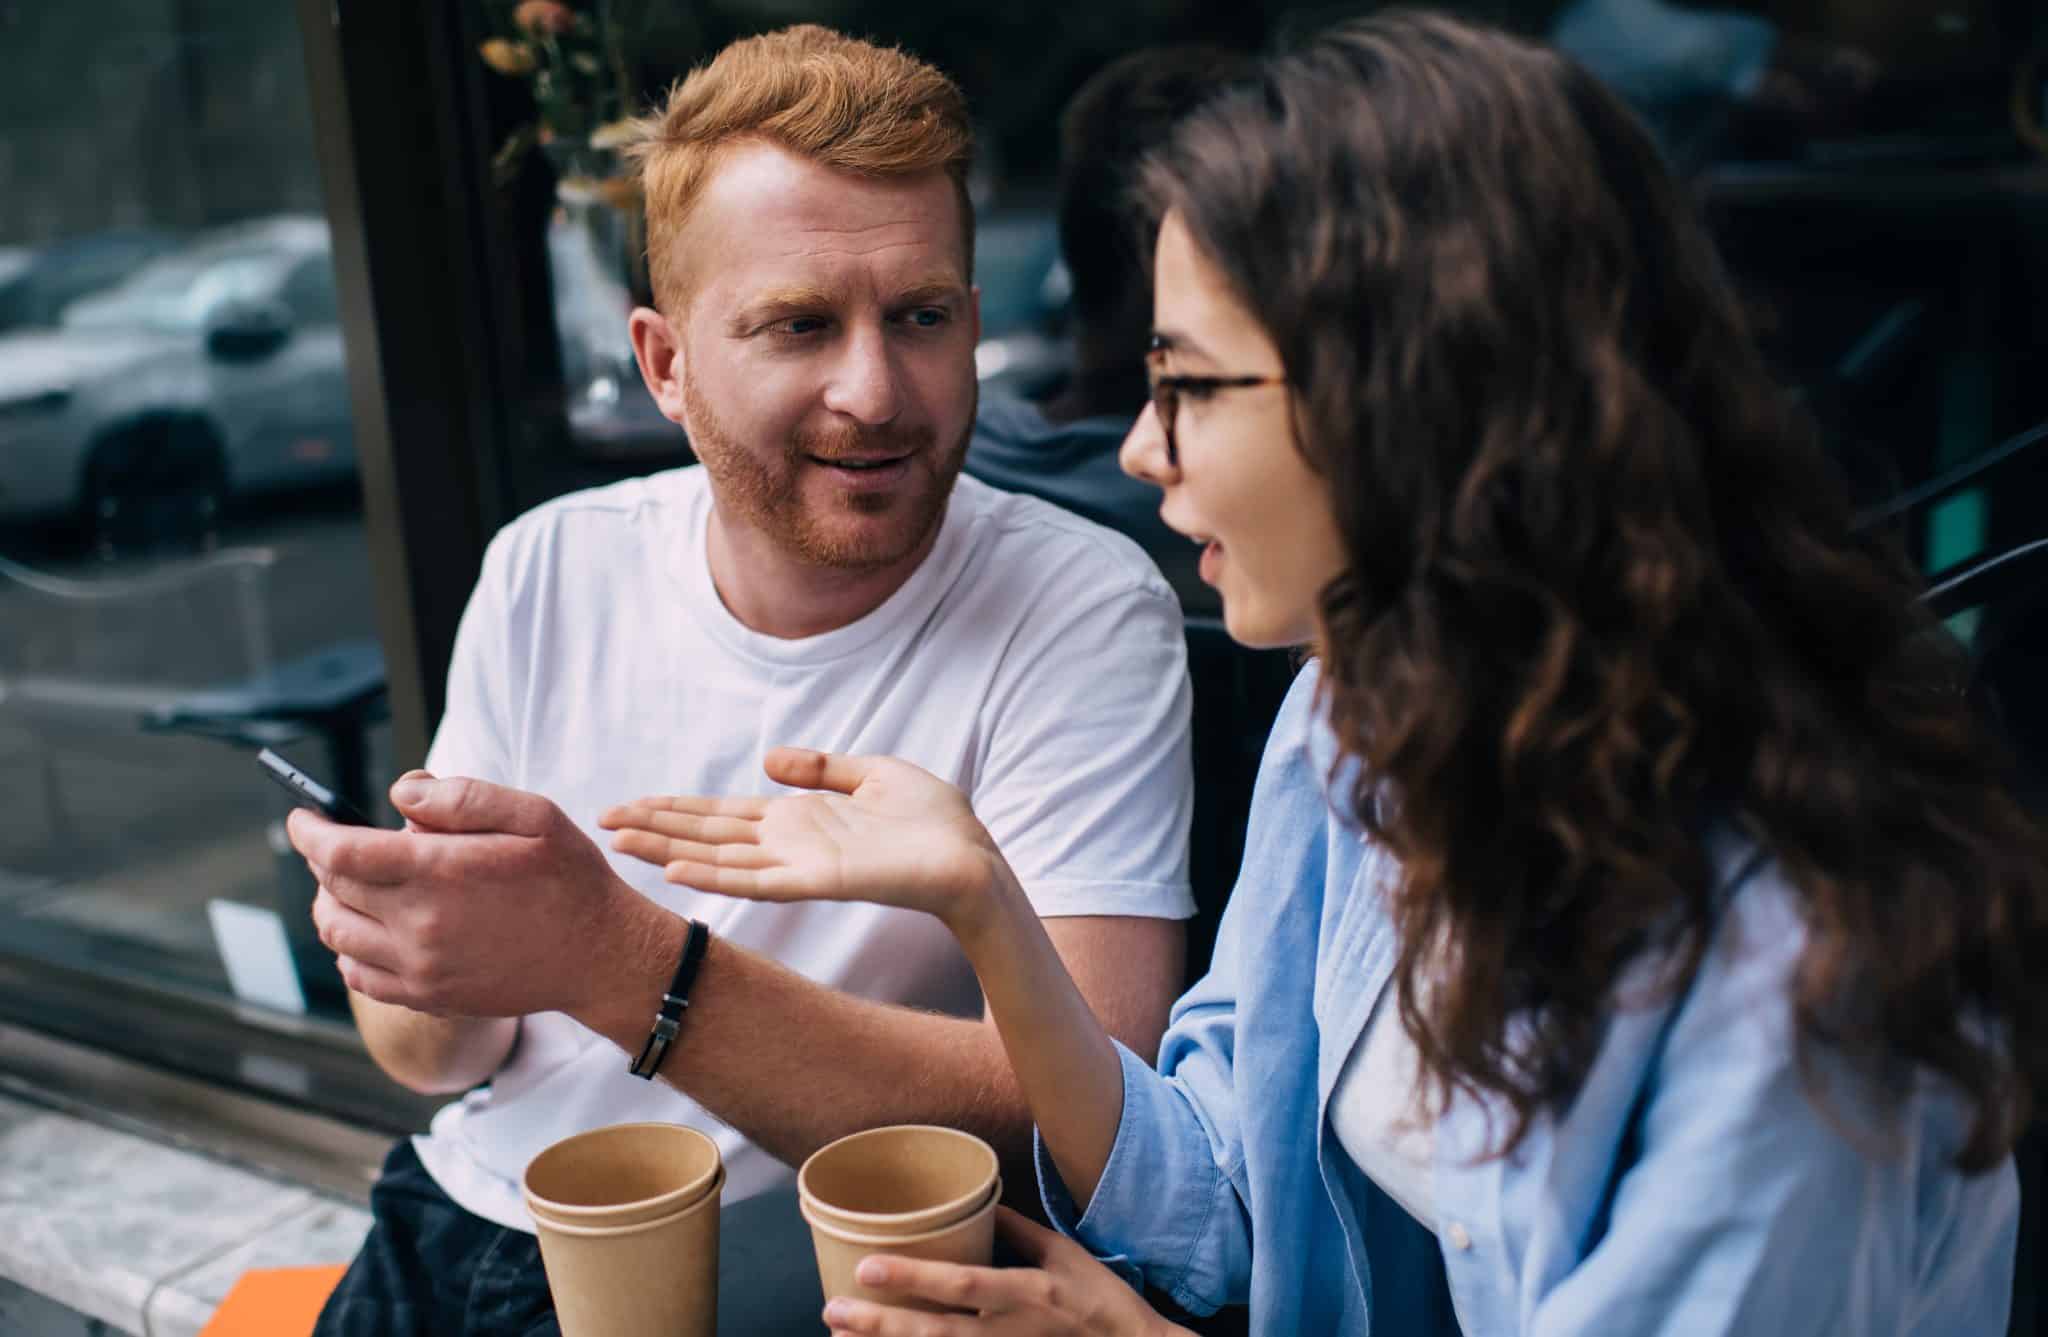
point(544, 16)
point(614, 134)
point(514, 58)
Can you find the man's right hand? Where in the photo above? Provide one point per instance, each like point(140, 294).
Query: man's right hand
point(494, 905)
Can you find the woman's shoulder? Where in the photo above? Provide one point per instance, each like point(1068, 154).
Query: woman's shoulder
point(1294, 770)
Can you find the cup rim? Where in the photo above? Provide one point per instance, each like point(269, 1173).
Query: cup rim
point(958, 1208)
point(885, 1242)
point(679, 1197)
point(581, 1230)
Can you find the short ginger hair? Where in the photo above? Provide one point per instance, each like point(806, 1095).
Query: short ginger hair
point(831, 99)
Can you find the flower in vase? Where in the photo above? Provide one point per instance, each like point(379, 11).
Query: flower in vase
point(514, 58)
point(549, 17)
point(614, 135)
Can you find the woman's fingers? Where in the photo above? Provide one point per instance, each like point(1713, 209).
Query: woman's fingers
point(744, 883)
point(649, 847)
point(802, 768)
point(639, 811)
point(1031, 1241)
point(868, 1319)
point(982, 1290)
point(692, 826)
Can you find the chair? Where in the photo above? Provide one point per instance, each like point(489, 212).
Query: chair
point(1237, 692)
point(84, 660)
point(2009, 668)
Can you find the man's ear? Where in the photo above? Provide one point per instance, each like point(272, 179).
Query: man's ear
point(660, 355)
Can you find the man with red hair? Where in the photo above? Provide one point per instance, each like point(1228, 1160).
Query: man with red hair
point(824, 578)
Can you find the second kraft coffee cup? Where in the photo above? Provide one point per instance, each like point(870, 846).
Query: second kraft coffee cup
point(907, 1179)
point(969, 1240)
point(627, 1218)
point(916, 1190)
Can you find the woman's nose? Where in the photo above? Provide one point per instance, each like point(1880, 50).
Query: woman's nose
point(1143, 453)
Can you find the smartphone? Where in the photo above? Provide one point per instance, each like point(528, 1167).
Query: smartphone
point(320, 798)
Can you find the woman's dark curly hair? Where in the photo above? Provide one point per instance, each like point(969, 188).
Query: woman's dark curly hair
point(1603, 589)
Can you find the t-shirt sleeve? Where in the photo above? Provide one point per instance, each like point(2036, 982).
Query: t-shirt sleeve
point(1086, 782)
point(475, 737)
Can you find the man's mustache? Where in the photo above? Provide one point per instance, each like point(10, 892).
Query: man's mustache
point(852, 441)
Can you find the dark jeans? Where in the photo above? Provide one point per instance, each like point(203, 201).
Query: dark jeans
point(430, 1269)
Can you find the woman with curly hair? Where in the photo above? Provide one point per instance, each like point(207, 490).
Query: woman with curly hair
point(1630, 901)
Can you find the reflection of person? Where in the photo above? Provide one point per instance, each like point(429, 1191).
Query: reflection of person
point(820, 576)
point(1679, 66)
point(1629, 899)
point(1063, 447)
point(1699, 76)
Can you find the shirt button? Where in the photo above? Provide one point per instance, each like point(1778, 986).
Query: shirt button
point(1460, 1238)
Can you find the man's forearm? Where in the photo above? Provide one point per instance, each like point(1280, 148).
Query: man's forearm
point(793, 1064)
point(429, 1054)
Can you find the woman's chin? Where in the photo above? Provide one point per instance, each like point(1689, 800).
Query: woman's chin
point(1256, 629)
point(1246, 627)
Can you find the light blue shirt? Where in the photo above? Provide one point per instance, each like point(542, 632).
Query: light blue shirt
point(1691, 1186)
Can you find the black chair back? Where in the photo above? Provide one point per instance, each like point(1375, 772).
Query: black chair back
point(2007, 594)
point(1237, 693)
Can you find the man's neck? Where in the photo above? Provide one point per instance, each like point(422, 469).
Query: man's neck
point(777, 594)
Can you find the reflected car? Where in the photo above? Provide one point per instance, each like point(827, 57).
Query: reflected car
point(37, 283)
point(215, 366)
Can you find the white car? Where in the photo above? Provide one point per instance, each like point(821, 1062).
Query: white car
point(217, 366)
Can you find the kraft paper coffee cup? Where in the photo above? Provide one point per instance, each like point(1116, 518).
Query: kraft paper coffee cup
point(621, 1174)
point(908, 1179)
point(969, 1240)
point(654, 1278)
point(616, 1265)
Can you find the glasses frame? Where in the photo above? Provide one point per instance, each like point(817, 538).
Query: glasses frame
point(1167, 392)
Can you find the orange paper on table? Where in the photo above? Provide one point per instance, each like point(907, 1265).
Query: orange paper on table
point(274, 1302)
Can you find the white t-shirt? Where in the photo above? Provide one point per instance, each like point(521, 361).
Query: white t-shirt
point(1034, 659)
point(1374, 1113)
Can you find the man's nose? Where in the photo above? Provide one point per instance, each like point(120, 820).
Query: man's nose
point(1143, 453)
point(864, 383)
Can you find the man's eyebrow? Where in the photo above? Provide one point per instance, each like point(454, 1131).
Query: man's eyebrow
point(931, 292)
point(792, 298)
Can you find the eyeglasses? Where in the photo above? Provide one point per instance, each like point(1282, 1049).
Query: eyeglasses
point(1168, 391)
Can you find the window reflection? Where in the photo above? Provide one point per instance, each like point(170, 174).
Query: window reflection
point(183, 573)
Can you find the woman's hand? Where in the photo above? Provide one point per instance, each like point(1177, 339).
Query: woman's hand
point(877, 830)
point(1064, 1293)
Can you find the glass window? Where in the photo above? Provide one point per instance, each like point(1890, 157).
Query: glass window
point(183, 568)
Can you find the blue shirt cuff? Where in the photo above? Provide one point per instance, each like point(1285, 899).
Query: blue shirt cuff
point(1157, 1191)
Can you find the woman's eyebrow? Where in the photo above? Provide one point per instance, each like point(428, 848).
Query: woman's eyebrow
point(1173, 341)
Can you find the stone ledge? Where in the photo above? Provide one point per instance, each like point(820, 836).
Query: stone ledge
point(144, 1237)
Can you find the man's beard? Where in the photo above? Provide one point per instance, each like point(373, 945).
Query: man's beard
point(770, 497)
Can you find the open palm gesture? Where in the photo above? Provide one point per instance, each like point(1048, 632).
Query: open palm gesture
point(872, 829)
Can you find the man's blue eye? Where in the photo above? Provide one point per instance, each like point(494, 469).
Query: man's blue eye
point(803, 324)
point(928, 317)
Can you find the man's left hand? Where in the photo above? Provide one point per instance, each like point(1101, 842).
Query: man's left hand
point(492, 903)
